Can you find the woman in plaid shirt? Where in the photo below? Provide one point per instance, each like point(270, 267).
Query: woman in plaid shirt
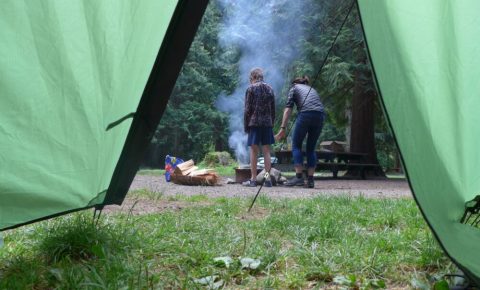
point(259, 117)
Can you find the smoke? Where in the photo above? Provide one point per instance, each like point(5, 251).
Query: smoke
point(268, 34)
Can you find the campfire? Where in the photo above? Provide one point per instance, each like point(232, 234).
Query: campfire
point(242, 173)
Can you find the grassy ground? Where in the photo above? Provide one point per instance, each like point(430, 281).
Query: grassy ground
point(309, 243)
point(152, 172)
point(222, 170)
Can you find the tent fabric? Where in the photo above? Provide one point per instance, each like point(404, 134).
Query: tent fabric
point(426, 59)
point(69, 69)
point(167, 66)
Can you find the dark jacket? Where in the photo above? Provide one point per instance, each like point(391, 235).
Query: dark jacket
point(259, 106)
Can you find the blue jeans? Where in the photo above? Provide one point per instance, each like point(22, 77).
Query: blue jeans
point(309, 124)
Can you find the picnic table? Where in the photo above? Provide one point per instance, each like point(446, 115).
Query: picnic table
point(331, 161)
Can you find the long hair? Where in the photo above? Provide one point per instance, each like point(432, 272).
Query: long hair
point(301, 80)
point(256, 74)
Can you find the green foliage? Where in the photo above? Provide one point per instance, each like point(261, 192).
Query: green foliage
point(192, 126)
point(75, 239)
point(330, 132)
point(386, 150)
point(300, 243)
point(346, 68)
point(221, 162)
point(337, 77)
point(212, 159)
point(71, 253)
point(151, 172)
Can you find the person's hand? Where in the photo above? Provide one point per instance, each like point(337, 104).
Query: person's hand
point(280, 135)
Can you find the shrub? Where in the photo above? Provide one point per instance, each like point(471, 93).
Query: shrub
point(213, 159)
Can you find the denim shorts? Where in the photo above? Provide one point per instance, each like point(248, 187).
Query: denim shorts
point(260, 136)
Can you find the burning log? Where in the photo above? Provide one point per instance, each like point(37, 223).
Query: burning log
point(243, 173)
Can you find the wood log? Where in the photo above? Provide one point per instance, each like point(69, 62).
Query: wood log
point(202, 172)
point(183, 167)
point(190, 170)
point(209, 179)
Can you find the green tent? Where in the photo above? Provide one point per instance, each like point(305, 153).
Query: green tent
point(84, 84)
point(426, 59)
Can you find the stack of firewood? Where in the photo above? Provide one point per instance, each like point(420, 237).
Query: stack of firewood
point(187, 173)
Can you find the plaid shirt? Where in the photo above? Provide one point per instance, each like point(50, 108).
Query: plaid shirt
point(259, 106)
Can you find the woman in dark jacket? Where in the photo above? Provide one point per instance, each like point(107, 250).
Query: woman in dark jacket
point(309, 124)
point(259, 117)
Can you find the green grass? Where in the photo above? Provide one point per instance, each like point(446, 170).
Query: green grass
point(228, 170)
point(152, 172)
point(396, 175)
point(304, 243)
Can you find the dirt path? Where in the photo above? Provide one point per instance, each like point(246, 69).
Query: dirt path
point(391, 188)
point(139, 206)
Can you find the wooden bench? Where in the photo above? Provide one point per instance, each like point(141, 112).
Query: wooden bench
point(332, 161)
point(335, 167)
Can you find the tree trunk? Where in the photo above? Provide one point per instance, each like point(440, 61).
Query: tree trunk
point(348, 128)
point(362, 133)
point(398, 163)
point(218, 145)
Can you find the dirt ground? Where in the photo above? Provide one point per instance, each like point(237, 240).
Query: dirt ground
point(139, 206)
point(386, 188)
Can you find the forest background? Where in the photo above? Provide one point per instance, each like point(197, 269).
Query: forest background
point(195, 123)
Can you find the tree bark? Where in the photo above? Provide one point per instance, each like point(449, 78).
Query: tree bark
point(219, 145)
point(362, 133)
point(398, 163)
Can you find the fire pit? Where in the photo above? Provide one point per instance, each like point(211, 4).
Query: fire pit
point(242, 173)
